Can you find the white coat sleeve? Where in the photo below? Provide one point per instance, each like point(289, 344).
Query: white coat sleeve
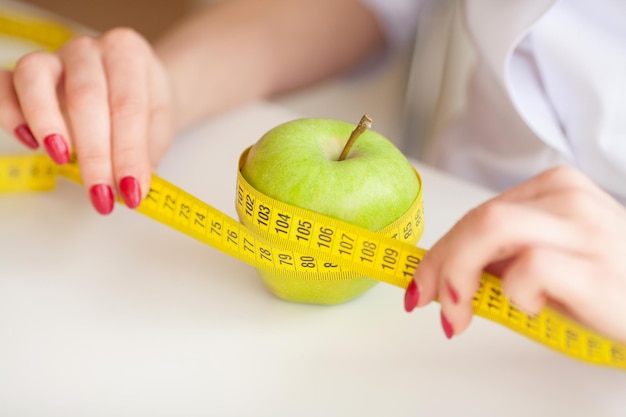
point(397, 19)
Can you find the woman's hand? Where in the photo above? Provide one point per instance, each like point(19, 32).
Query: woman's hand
point(114, 103)
point(107, 99)
point(554, 240)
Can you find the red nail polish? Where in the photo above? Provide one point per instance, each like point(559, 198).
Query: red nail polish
point(102, 198)
point(131, 193)
point(23, 133)
point(57, 149)
point(447, 327)
point(411, 296)
point(452, 293)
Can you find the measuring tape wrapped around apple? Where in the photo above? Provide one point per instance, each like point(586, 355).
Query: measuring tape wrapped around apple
point(301, 254)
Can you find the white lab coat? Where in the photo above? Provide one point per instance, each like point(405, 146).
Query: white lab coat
point(504, 89)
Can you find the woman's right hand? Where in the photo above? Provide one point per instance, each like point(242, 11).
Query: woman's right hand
point(107, 99)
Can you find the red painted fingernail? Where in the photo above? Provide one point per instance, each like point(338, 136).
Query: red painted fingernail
point(411, 296)
point(452, 293)
point(102, 198)
point(57, 149)
point(131, 193)
point(23, 133)
point(447, 327)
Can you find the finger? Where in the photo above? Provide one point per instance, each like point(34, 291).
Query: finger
point(456, 313)
point(161, 127)
point(11, 117)
point(572, 283)
point(559, 178)
point(426, 278)
point(596, 218)
point(581, 207)
point(88, 110)
point(491, 233)
point(127, 62)
point(36, 79)
point(523, 280)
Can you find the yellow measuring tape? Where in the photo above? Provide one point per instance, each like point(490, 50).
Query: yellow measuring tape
point(297, 243)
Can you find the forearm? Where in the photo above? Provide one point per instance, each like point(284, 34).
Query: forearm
point(241, 50)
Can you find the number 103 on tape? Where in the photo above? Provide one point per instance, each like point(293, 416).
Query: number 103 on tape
point(296, 243)
point(276, 237)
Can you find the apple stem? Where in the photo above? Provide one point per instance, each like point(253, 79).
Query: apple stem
point(364, 124)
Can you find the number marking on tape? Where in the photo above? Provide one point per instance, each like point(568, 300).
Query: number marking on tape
point(276, 237)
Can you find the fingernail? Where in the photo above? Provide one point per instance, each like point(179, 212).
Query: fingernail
point(57, 148)
point(452, 293)
point(411, 296)
point(102, 198)
point(447, 327)
point(23, 133)
point(131, 193)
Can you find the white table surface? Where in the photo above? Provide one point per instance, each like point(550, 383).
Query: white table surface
point(121, 316)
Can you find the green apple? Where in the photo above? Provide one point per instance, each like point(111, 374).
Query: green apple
point(298, 163)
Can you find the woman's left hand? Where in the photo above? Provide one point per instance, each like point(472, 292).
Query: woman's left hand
point(555, 240)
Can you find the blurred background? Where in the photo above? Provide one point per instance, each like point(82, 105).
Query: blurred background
point(148, 17)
